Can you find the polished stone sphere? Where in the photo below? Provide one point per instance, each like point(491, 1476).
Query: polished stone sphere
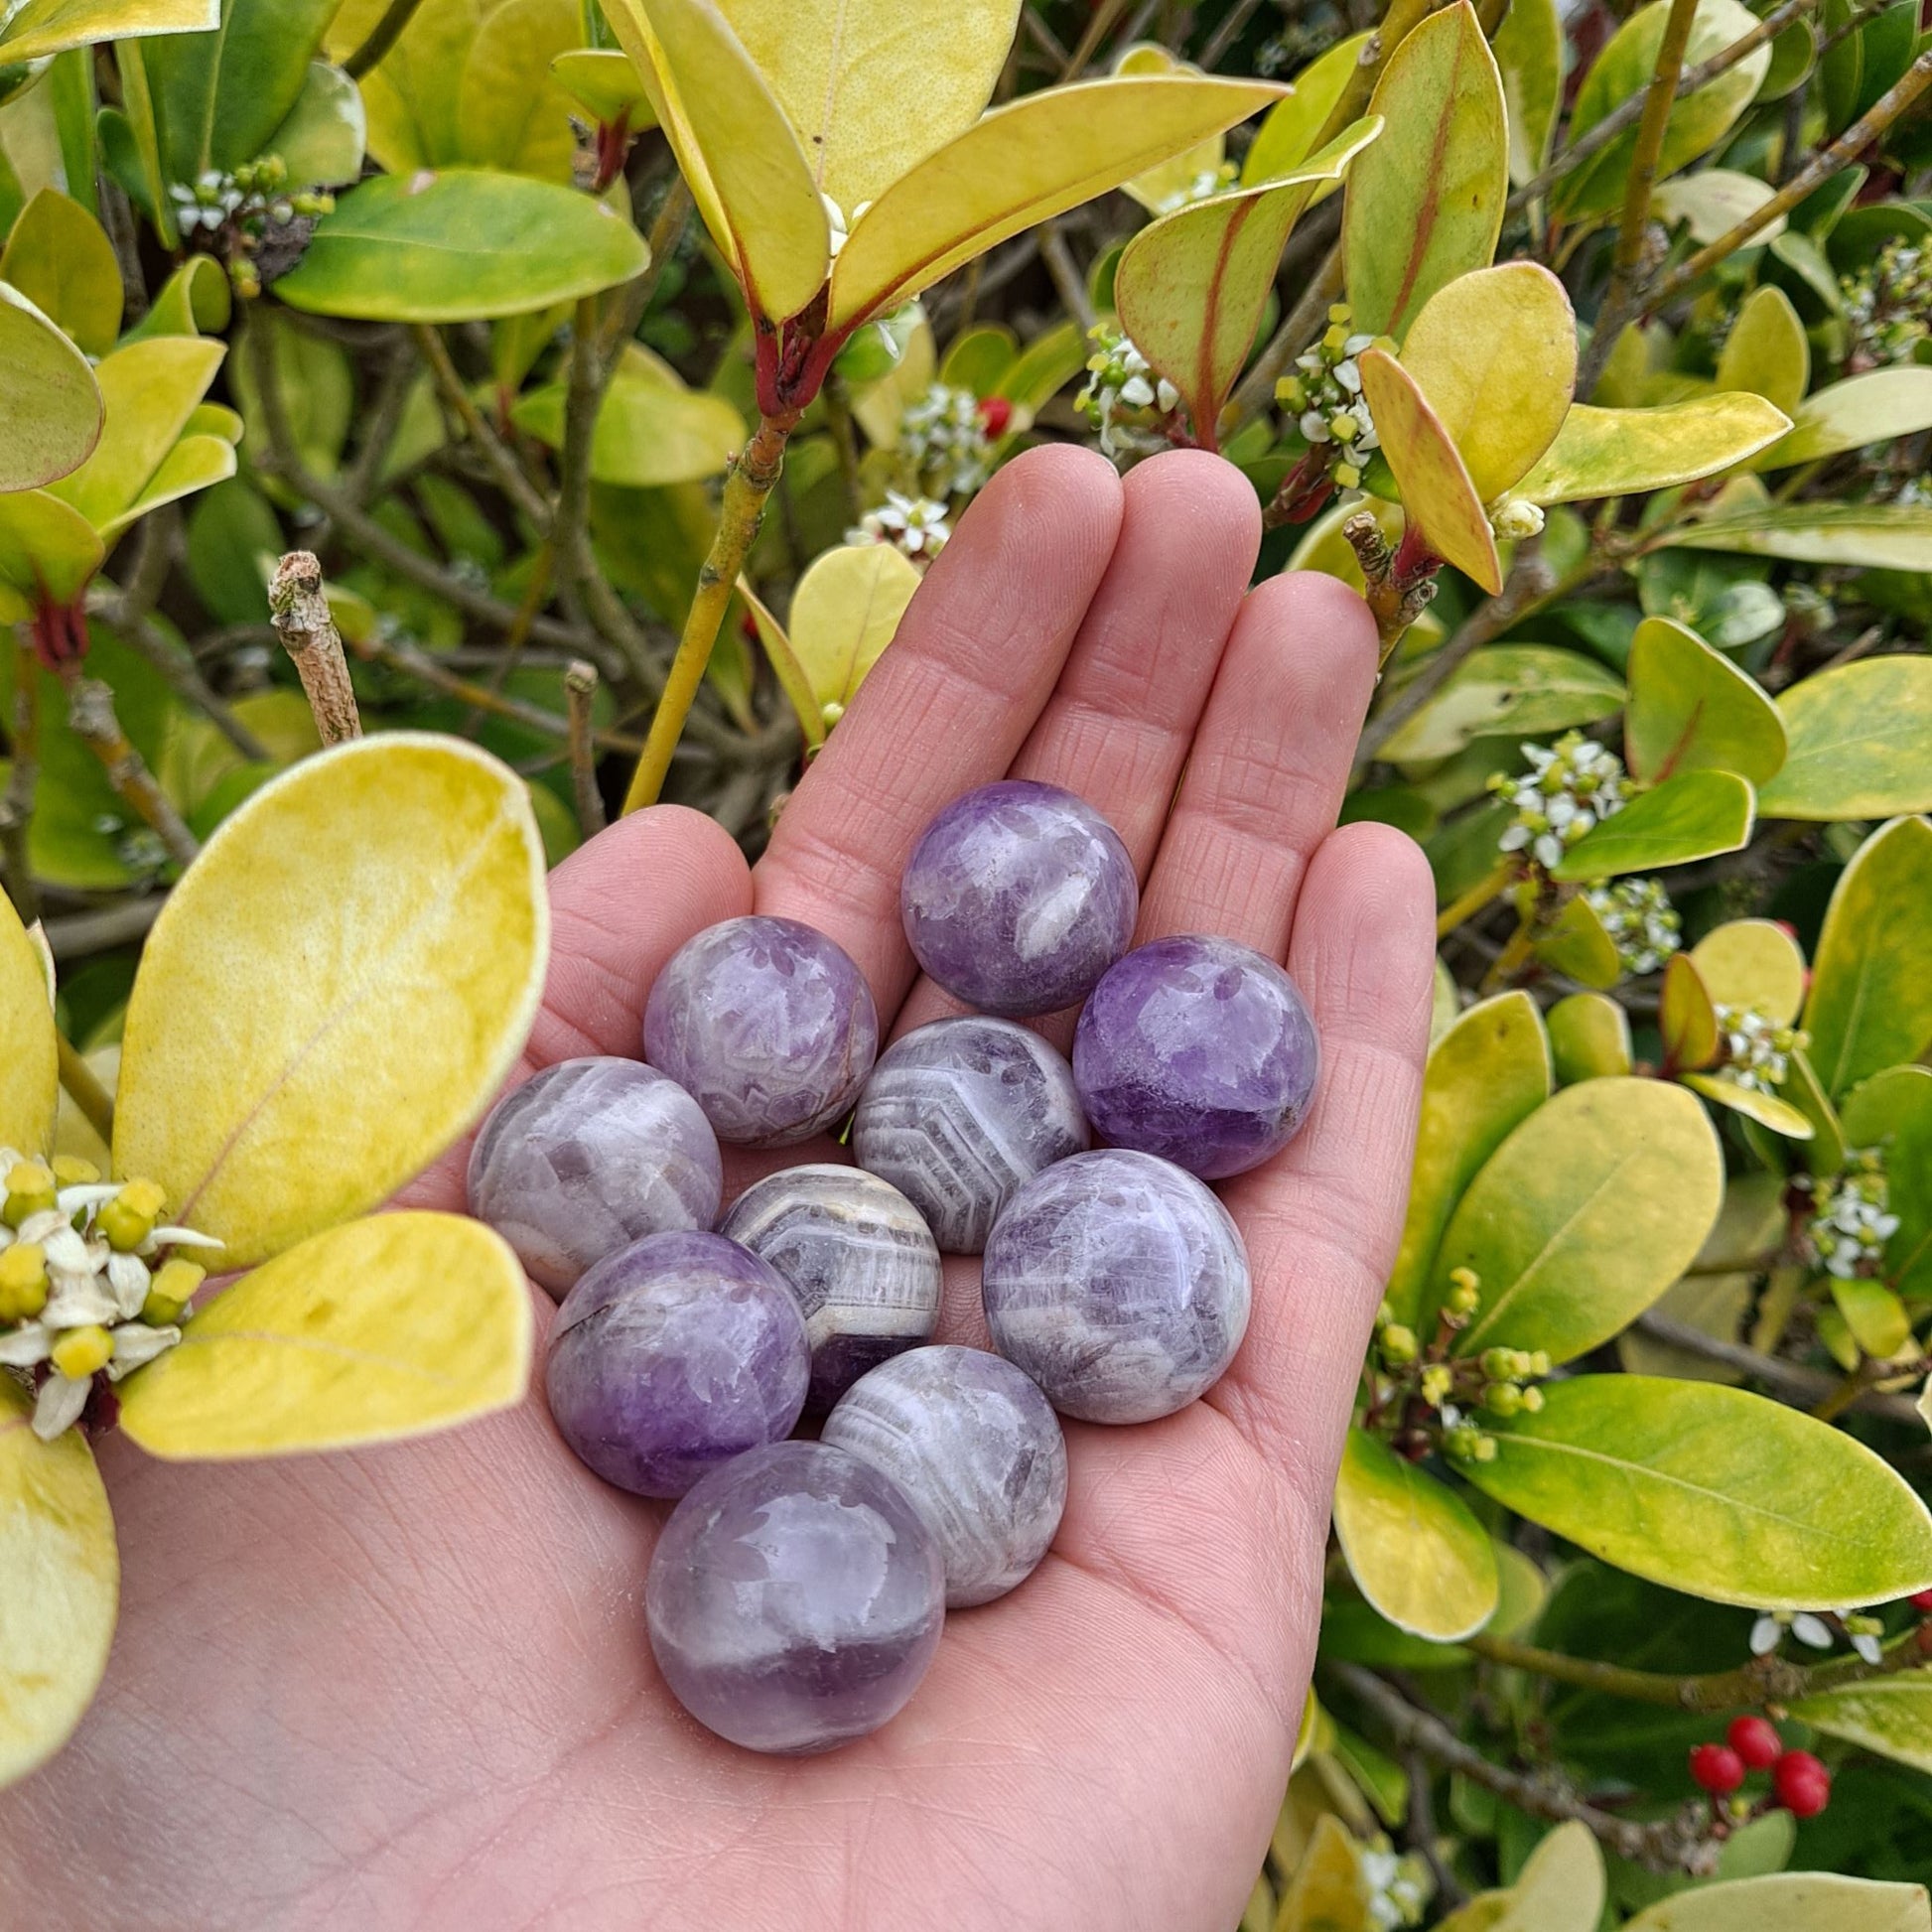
point(1199, 1050)
point(671, 1358)
point(588, 1157)
point(854, 1252)
point(979, 1451)
point(768, 1025)
point(1119, 1284)
point(1017, 897)
point(959, 1113)
point(794, 1599)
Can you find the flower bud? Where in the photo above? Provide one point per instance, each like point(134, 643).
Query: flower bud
point(128, 1219)
point(1399, 1344)
point(80, 1351)
point(1502, 1399)
point(23, 1281)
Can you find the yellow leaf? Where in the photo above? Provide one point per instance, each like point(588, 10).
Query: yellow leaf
point(1327, 1892)
point(739, 155)
point(1529, 53)
point(1019, 165)
point(193, 464)
point(1560, 1890)
point(1437, 496)
point(1495, 354)
point(1172, 182)
point(60, 1583)
point(48, 397)
point(47, 550)
point(1780, 1116)
point(28, 1068)
point(1615, 452)
point(1753, 963)
point(59, 258)
point(1284, 139)
point(334, 991)
point(790, 675)
point(43, 27)
point(844, 612)
point(873, 86)
point(396, 1325)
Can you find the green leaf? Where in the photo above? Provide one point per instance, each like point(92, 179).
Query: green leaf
point(322, 138)
point(1875, 1317)
point(1529, 54)
point(1692, 709)
point(47, 549)
point(1411, 1545)
point(1767, 351)
point(198, 299)
point(1893, 1111)
point(1287, 137)
point(1875, 536)
point(1590, 1209)
point(1891, 1716)
point(1861, 739)
point(60, 1585)
point(604, 82)
point(1623, 452)
point(388, 900)
point(1806, 1092)
point(1426, 204)
point(511, 110)
point(460, 245)
point(390, 1327)
point(1193, 286)
point(1589, 1039)
point(49, 402)
point(1791, 1901)
point(1712, 1491)
point(1019, 165)
point(1486, 1075)
point(1516, 688)
point(1712, 201)
point(1878, 407)
point(1753, 963)
point(1698, 122)
point(39, 28)
point(59, 258)
point(650, 429)
point(1692, 816)
point(1438, 495)
point(1576, 943)
point(742, 158)
point(1561, 1888)
point(28, 1070)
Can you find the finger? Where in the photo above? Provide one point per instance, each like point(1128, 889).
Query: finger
point(947, 706)
point(619, 906)
point(1269, 767)
point(1117, 729)
point(1323, 1220)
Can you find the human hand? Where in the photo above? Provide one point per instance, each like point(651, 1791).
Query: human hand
point(409, 1688)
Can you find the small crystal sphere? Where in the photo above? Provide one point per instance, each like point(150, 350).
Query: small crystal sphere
point(672, 1356)
point(979, 1451)
point(795, 1599)
point(768, 1025)
point(588, 1157)
point(1119, 1284)
point(854, 1252)
point(1199, 1050)
point(958, 1114)
point(1017, 897)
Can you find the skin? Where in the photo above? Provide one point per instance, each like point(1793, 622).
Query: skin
point(409, 1687)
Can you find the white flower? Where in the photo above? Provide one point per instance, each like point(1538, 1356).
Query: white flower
point(945, 436)
point(58, 1405)
point(1850, 1219)
point(914, 524)
point(1811, 1630)
point(1868, 1647)
point(1767, 1634)
point(1756, 1049)
point(1638, 915)
point(1573, 785)
point(1210, 180)
point(1122, 393)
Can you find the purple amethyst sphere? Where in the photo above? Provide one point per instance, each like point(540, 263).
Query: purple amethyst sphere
point(671, 1358)
point(1199, 1050)
point(768, 1025)
point(978, 1449)
point(588, 1157)
point(1017, 897)
point(854, 1252)
point(1119, 1284)
point(959, 1113)
point(794, 1599)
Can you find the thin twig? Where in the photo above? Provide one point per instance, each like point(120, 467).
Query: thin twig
point(1790, 1382)
point(299, 610)
point(82, 935)
point(23, 780)
point(172, 660)
point(1068, 282)
point(1420, 1831)
point(501, 458)
point(91, 718)
point(580, 692)
point(1298, 328)
point(383, 37)
point(1099, 25)
point(1227, 33)
point(84, 1089)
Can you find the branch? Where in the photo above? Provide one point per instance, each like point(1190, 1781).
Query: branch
point(84, 1089)
point(299, 610)
point(1068, 283)
point(383, 37)
point(23, 780)
point(580, 690)
point(1791, 1382)
point(82, 935)
point(501, 459)
point(127, 619)
point(1299, 327)
point(93, 720)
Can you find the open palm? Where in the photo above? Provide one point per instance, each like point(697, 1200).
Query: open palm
point(410, 1686)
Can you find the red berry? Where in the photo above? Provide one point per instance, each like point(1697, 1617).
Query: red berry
point(1716, 1768)
point(1756, 1743)
point(996, 413)
point(1801, 1784)
point(1921, 1601)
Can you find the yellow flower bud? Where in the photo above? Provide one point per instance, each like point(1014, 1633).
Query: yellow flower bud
point(30, 1190)
point(73, 1171)
point(128, 1219)
point(1532, 1400)
point(80, 1351)
point(1399, 1344)
point(1502, 1399)
point(23, 1281)
point(1346, 476)
point(171, 1291)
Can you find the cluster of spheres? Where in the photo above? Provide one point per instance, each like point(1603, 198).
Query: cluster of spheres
point(796, 1595)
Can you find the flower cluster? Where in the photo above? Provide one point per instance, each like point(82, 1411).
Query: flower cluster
point(914, 524)
point(1210, 180)
point(1638, 915)
point(87, 1285)
point(1397, 1887)
point(1850, 1221)
point(1325, 395)
point(945, 436)
point(1573, 785)
point(1123, 399)
point(1889, 304)
point(1756, 1049)
point(249, 203)
point(1863, 1633)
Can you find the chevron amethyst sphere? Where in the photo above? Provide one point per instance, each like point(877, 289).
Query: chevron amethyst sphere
point(978, 1449)
point(794, 1599)
point(768, 1025)
point(1199, 1050)
point(854, 1252)
point(1119, 1284)
point(588, 1157)
point(1017, 897)
point(671, 1358)
point(959, 1113)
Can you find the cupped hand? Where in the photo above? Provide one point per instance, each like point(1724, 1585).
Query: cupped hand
point(410, 1687)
